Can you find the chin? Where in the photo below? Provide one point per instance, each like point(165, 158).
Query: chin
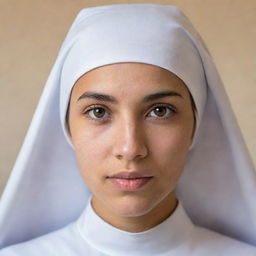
point(132, 206)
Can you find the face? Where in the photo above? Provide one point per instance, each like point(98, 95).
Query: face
point(131, 143)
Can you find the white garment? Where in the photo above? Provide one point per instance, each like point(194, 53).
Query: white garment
point(91, 236)
point(218, 186)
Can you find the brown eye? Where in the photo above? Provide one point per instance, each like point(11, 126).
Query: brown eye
point(96, 113)
point(160, 111)
point(163, 112)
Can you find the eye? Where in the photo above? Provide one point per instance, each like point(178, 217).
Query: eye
point(163, 111)
point(96, 113)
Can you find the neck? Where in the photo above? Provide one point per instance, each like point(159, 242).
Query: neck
point(138, 223)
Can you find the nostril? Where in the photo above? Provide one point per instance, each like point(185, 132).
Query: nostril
point(119, 157)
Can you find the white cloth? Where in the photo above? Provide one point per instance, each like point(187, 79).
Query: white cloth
point(90, 235)
point(170, 49)
point(45, 191)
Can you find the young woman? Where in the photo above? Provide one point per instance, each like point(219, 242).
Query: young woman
point(133, 149)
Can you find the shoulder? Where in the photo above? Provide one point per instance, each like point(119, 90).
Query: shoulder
point(207, 241)
point(65, 241)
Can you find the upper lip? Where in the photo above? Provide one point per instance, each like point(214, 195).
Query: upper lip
point(129, 175)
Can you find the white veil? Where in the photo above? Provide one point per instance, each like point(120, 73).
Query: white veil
point(45, 191)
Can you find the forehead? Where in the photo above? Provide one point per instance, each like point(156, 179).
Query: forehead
point(130, 78)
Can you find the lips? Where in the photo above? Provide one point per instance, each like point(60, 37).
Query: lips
point(129, 175)
point(129, 180)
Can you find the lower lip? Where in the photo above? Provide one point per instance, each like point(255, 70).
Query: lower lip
point(130, 184)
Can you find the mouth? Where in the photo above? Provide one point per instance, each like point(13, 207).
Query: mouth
point(129, 181)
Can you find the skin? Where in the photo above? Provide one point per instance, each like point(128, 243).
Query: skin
point(131, 134)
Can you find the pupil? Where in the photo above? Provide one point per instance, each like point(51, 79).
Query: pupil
point(160, 108)
point(99, 112)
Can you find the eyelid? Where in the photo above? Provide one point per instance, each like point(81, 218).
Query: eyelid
point(93, 106)
point(168, 106)
point(86, 111)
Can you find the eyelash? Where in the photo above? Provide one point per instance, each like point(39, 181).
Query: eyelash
point(87, 111)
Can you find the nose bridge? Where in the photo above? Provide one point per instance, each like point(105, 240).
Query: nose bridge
point(130, 143)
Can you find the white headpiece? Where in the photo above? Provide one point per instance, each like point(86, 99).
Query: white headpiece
point(218, 188)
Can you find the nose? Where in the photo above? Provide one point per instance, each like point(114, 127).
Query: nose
point(130, 142)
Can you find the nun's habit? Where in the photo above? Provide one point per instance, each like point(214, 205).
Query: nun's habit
point(45, 208)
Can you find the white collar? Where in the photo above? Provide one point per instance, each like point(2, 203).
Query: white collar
point(166, 236)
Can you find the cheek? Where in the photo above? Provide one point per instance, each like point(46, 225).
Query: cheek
point(173, 140)
point(170, 151)
point(92, 149)
point(88, 140)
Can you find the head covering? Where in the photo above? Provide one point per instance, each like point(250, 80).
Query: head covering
point(45, 190)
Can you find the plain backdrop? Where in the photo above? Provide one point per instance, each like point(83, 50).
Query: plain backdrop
point(31, 32)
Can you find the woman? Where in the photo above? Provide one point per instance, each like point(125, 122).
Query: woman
point(135, 105)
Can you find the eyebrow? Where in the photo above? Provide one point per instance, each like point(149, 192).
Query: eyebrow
point(108, 98)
